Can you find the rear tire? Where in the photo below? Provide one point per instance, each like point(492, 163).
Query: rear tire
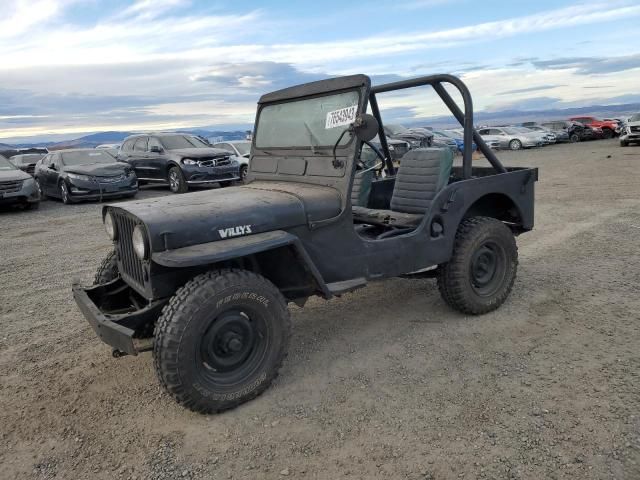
point(515, 144)
point(575, 138)
point(177, 183)
point(243, 173)
point(482, 269)
point(108, 269)
point(607, 133)
point(221, 340)
point(623, 143)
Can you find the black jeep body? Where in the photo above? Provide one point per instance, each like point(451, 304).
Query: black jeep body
point(315, 218)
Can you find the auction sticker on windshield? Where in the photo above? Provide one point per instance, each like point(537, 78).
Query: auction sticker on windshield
point(344, 116)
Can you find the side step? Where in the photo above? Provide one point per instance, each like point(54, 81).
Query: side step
point(345, 286)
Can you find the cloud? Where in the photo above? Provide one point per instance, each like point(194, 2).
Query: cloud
point(530, 89)
point(591, 65)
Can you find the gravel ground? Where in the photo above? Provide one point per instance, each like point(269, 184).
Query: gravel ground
point(385, 382)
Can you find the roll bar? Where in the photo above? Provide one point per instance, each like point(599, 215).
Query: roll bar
point(466, 119)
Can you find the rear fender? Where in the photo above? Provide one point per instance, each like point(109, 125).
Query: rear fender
point(277, 255)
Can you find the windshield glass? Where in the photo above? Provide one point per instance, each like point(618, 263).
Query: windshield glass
point(26, 159)
point(175, 142)
point(86, 158)
point(514, 131)
point(6, 164)
point(243, 147)
point(308, 123)
point(635, 118)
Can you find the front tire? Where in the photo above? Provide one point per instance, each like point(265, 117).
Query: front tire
point(221, 340)
point(64, 193)
point(177, 183)
point(624, 143)
point(482, 269)
point(108, 269)
point(575, 138)
point(243, 173)
point(515, 144)
point(607, 133)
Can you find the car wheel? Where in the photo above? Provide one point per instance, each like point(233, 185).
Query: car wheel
point(607, 133)
point(243, 173)
point(177, 183)
point(64, 193)
point(40, 191)
point(575, 138)
point(482, 269)
point(221, 339)
point(108, 269)
point(515, 144)
point(623, 143)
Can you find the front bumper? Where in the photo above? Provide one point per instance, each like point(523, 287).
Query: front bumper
point(28, 193)
point(119, 322)
point(196, 175)
point(630, 137)
point(94, 190)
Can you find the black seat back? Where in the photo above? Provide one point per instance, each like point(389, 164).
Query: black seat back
point(363, 178)
point(422, 174)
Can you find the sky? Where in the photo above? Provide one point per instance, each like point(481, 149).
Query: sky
point(73, 66)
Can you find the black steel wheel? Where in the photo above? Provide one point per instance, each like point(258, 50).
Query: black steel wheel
point(482, 269)
point(108, 269)
point(221, 340)
point(177, 183)
point(64, 193)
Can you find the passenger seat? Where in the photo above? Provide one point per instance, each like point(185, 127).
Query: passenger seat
point(422, 174)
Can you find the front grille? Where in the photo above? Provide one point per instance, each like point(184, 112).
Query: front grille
point(130, 265)
point(215, 162)
point(635, 129)
point(114, 179)
point(10, 187)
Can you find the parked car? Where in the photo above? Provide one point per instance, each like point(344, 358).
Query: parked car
point(240, 150)
point(550, 136)
point(541, 137)
point(417, 138)
point(565, 131)
point(26, 162)
point(442, 140)
point(609, 128)
point(397, 148)
point(10, 152)
point(17, 187)
point(179, 159)
point(509, 137)
point(112, 148)
point(84, 174)
point(631, 131)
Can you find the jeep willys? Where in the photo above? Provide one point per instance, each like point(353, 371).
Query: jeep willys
point(204, 279)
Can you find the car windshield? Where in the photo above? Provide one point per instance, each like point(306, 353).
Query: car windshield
point(243, 147)
point(6, 164)
point(514, 131)
point(635, 118)
point(86, 157)
point(308, 123)
point(26, 159)
point(176, 142)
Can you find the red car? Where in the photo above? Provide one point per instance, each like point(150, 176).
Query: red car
point(609, 128)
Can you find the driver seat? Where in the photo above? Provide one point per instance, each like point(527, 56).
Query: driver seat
point(422, 174)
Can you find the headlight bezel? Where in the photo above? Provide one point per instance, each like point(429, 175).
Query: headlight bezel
point(110, 226)
point(78, 176)
point(190, 161)
point(139, 242)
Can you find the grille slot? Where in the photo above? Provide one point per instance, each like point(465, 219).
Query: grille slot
point(10, 187)
point(635, 129)
point(130, 265)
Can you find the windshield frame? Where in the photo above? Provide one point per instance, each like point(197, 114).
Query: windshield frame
point(308, 148)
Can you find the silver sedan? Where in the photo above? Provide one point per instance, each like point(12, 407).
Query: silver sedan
point(510, 138)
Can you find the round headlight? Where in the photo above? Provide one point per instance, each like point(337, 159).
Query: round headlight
point(110, 226)
point(139, 242)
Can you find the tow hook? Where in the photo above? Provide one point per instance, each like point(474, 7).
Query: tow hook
point(118, 353)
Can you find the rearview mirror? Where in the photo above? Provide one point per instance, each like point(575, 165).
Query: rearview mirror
point(366, 127)
point(155, 149)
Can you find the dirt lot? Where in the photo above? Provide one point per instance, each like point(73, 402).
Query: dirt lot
point(385, 382)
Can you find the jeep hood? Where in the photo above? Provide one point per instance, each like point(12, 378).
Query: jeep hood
point(183, 220)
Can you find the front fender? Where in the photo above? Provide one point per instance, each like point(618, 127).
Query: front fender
point(222, 250)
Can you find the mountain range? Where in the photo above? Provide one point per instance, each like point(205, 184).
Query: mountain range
point(481, 118)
